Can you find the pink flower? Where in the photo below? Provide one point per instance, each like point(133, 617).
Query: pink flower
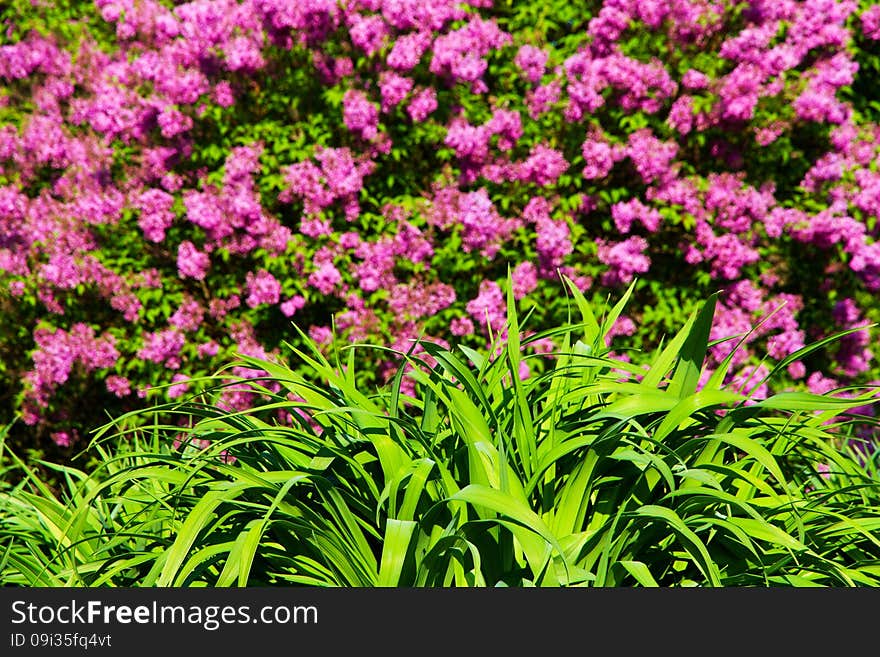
point(262, 288)
point(208, 349)
point(192, 263)
point(118, 385)
point(321, 334)
point(326, 278)
point(62, 438)
point(553, 237)
point(416, 299)
point(693, 79)
point(624, 259)
point(58, 351)
point(681, 115)
point(223, 94)
point(870, 19)
point(290, 306)
point(368, 32)
point(524, 279)
point(508, 126)
point(820, 384)
point(531, 61)
point(173, 122)
point(163, 347)
point(651, 157)
point(408, 50)
point(483, 228)
point(359, 114)
point(488, 307)
point(543, 166)
point(540, 99)
point(394, 88)
point(156, 215)
point(797, 370)
point(461, 326)
point(188, 316)
point(180, 387)
point(626, 213)
point(599, 158)
point(460, 54)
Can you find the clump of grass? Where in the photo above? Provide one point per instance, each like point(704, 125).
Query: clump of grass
point(593, 473)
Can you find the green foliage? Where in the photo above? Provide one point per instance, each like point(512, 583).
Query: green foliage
point(594, 473)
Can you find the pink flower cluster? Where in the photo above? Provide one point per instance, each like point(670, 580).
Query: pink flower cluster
point(59, 355)
point(338, 178)
point(165, 202)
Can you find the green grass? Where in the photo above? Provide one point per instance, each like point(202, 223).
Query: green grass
point(591, 473)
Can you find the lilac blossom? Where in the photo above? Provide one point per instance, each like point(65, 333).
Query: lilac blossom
point(263, 288)
point(191, 262)
point(488, 308)
point(532, 61)
point(422, 104)
point(624, 259)
point(359, 114)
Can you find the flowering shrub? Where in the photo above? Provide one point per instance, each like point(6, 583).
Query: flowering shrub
point(180, 182)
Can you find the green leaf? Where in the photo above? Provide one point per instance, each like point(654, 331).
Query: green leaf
point(764, 531)
point(395, 548)
point(693, 352)
point(504, 504)
point(640, 572)
point(695, 547)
